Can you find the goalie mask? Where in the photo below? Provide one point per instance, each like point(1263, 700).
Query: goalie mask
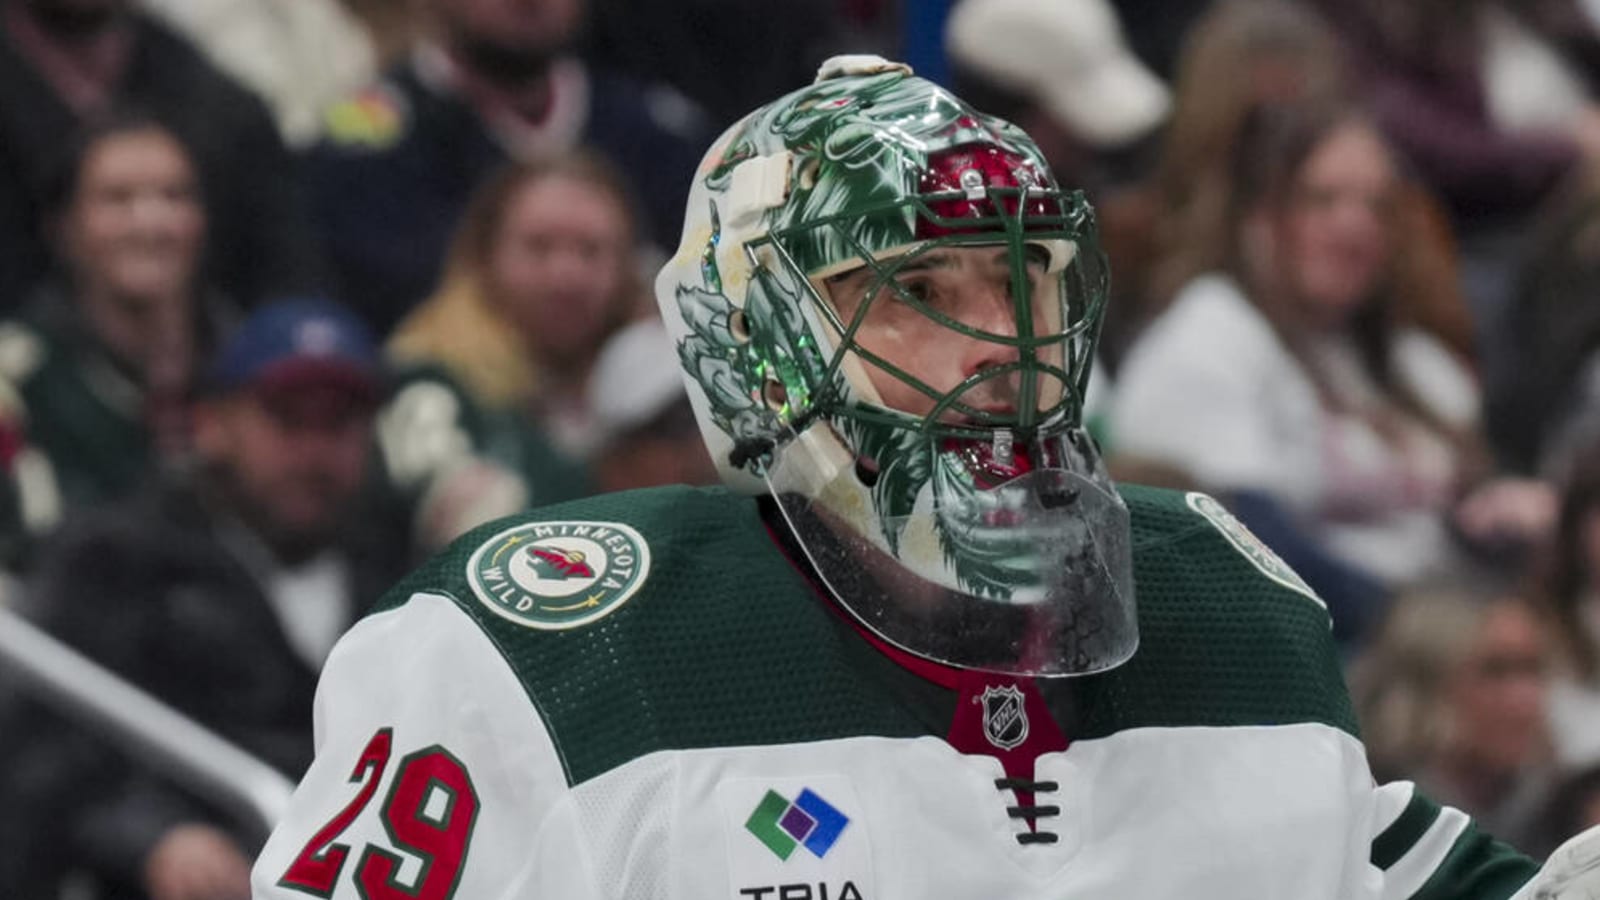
point(886, 312)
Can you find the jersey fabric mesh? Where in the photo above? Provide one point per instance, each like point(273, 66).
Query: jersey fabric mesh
point(727, 644)
point(629, 818)
point(1221, 644)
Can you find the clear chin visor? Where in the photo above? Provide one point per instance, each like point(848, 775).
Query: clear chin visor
point(1014, 560)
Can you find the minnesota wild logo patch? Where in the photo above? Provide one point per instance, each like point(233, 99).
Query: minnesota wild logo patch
point(1248, 545)
point(558, 575)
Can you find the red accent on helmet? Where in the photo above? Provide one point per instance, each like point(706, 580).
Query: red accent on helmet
point(996, 168)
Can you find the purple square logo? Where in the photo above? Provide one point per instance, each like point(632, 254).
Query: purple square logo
point(797, 823)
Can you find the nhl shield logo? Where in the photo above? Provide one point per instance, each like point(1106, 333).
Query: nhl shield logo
point(1005, 721)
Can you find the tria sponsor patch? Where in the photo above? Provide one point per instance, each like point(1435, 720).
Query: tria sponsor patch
point(795, 838)
point(558, 575)
point(809, 821)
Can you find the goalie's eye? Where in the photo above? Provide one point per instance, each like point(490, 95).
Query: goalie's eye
point(917, 289)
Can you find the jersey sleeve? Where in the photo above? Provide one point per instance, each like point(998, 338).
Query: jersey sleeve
point(1430, 852)
point(433, 770)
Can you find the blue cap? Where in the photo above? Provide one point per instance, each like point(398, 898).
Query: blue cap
point(298, 343)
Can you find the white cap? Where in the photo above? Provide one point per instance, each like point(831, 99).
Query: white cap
point(1069, 55)
point(853, 64)
point(635, 378)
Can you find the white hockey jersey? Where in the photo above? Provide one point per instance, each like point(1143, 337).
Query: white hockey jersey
point(639, 696)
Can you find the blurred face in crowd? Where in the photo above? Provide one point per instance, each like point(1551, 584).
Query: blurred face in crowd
point(509, 39)
point(294, 458)
point(135, 226)
point(1335, 230)
point(558, 266)
point(1497, 694)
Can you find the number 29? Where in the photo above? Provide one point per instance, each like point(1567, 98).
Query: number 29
point(429, 813)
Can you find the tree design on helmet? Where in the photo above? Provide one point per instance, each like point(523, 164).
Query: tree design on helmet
point(872, 169)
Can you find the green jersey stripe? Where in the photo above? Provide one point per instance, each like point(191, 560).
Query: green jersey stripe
point(1400, 837)
point(1477, 866)
point(1419, 865)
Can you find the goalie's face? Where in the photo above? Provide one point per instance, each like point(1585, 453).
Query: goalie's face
point(951, 502)
point(972, 286)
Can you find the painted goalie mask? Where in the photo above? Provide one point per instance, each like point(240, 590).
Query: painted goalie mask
point(886, 312)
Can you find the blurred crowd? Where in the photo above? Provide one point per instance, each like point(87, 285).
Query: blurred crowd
point(293, 292)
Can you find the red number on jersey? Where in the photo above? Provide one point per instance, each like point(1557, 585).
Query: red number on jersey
point(317, 866)
point(430, 813)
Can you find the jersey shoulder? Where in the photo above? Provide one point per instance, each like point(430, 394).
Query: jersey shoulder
point(631, 541)
point(1177, 529)
point(1229, 635)
point(662, 619)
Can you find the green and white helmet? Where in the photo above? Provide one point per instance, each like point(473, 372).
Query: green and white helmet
point(971, 524)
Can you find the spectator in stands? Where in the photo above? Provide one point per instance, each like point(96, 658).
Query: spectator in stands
point(1451, 694)
point(392, 26)
point(1569, 594)
point(220, 590)
point(1283, 379)
point(542, 271)
point(97, 365)
point(694, 45)
point(526, 362)
point(1541, 64)
point(1241, 56)
point(493, 82)
point(65, 62)
point(1545, 413)
point(1158, 29)
point(301, 56)
point(1494, 120)
point(646, 428)
point(1427, 65)
point(1062, 73)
